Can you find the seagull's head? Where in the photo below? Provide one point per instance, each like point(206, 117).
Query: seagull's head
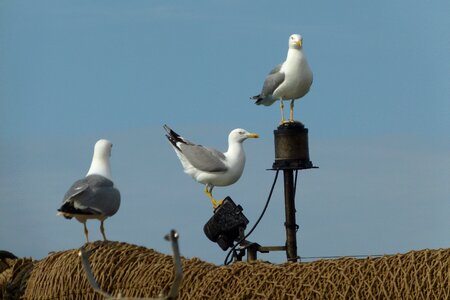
point(102, 149)
point(240, 135)
point(295, 41)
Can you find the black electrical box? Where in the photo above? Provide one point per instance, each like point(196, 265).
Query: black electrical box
point(226, 225)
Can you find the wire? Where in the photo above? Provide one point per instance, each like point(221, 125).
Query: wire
point(343, 256)
point(226, 261)
point(295, 191)
point(295, 182)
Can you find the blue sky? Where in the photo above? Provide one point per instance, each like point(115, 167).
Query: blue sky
point(72, 72)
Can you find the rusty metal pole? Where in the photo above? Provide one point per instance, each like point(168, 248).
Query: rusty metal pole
point(291, 154)
point(252, 253)
point(290, 224)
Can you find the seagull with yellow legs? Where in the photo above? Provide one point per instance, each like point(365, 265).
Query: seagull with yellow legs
point(290, 80)
point(209, 166)
point(94, 196)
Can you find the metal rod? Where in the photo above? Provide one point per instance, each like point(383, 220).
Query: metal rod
point(252, 254)
point(267, 249)
point(178, 271)
point(84, 254)
point(290, 224)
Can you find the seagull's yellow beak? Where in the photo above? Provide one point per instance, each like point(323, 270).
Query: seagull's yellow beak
point(253, 135)
point(298, 43)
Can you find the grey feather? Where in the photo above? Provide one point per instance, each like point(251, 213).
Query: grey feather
point(77, 188)
point(203, 158)
point(271, 83)
point(92, 195)
point(276, 69)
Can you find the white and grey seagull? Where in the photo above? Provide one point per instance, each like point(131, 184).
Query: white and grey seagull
point(209, 166)
point(287, 81)
point(94, 196)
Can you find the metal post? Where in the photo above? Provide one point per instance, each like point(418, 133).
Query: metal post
point(252, 254)
point(291, 154)
point(290, 224)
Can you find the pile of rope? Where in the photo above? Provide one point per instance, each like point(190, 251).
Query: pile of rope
point(14, 273)
point(140, 272)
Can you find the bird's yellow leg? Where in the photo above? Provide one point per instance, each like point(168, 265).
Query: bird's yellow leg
point(86, 233)
point(291, 113)
point(282, 111)
point(207, 192)
point(102, 230)
point(215, 203)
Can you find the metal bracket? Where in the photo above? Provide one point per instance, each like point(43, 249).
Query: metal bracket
point(173, 293)
point(253, 249)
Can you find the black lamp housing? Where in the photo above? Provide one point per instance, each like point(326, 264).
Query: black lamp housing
point(226, 225)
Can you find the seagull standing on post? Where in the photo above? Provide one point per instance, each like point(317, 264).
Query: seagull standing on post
point(287, 81)
point(93, 197)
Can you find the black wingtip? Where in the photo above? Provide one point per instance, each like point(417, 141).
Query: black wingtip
point(172, 141)
point(68, 208)
point(172, 136)
point(167, 128)
point(258, 99)
point(172, 133)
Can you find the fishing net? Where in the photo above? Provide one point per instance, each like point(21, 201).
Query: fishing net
point(140, 272)
point(14, 274)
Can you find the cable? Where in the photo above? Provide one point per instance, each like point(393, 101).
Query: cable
point(295, 182)
point(342, 256)
point(295, 191)
point(226, 262)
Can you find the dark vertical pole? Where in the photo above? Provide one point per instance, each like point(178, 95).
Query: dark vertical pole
point(291, 154)
point(252, 254)
point(289, 205)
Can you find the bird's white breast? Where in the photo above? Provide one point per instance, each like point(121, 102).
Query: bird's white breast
point(298, 76)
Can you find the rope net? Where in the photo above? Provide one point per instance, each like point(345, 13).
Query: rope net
point(140, 272)
point(14, 274)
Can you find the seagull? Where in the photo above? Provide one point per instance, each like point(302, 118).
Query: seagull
point(287, 81)
point(94, 196)
point(209, 166)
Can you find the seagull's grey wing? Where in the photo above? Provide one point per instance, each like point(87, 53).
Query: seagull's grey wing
point(78, 187)
point(204, 159)
point(276, 69)
point(273, 80)
point(96, 195)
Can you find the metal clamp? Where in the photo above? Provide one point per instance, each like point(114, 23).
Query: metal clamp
point(173, 293)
